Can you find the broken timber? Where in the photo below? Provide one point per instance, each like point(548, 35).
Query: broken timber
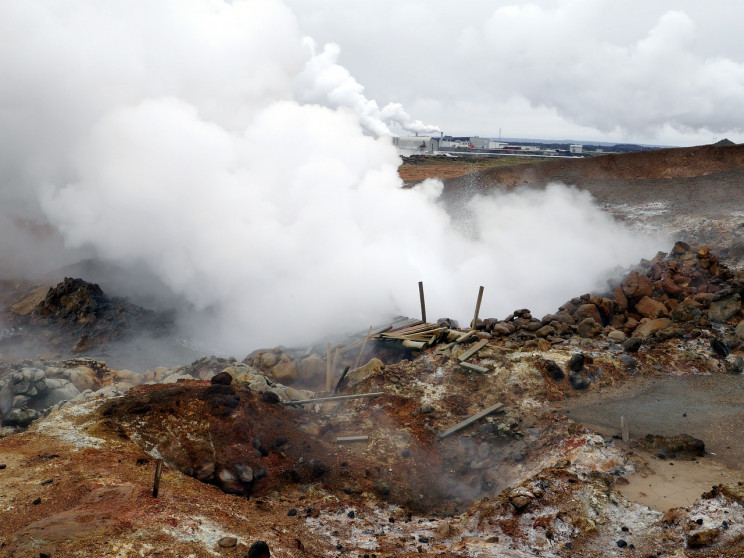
point(351, 439)
point(472, 350)
point(471, 420)
point(335, 398)
point(474, 367)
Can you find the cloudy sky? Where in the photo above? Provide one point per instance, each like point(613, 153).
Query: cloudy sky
point(662, 72)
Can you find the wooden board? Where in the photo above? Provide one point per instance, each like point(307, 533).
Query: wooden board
point(351, 439)
point(472, 350)
point(467, 422)
point(335, 398)
point(474, 367)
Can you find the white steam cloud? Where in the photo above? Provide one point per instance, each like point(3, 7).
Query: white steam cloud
point(668, 71)
point(209, 143)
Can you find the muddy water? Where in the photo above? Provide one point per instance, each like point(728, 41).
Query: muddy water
point(708, 407)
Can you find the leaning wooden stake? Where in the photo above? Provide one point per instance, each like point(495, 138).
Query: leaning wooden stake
point(156, 483)
point(328, 367)
point(364, 346)
point(423, 304)
point(477, 307)
point(624, 429)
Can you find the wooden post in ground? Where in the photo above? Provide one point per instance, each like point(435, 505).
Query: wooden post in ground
point(334, 364)
point(423, 303)
point(477, 307)
point(624, 430)
point(156, 483)
point(364, 346)
point(328, 367)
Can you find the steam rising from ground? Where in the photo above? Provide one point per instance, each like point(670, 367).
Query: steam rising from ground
point(179, 136)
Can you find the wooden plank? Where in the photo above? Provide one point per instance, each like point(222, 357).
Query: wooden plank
point(477, 307)
point(423, 303)
point(467, 422)
point(444, 348)
point(335, 398)
point(474, 367)
point(465, 336)
point(351, 439)
point(472, 350)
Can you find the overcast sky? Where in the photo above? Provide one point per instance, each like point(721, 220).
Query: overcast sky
point(661, 72)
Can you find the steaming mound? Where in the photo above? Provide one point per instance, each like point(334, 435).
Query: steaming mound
point(76, 315)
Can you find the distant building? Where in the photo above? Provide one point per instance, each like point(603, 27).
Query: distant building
point(497, 144)
point(410, 145)
point(477, 142)
point(576, 148)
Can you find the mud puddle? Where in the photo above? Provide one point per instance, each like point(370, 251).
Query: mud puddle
point(708, 407)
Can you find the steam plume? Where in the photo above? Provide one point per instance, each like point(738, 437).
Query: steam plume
point(207, 142)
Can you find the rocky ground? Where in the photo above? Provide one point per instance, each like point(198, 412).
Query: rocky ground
point(550, 473)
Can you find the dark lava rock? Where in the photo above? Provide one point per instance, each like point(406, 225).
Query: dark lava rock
point(576, 364)
point(632, 344)
point(719, 348)
point(621, 543)
point(259, 549)
point(448, 322)
point(78, 314)
point(554, 370)
point(683, 446)
point(292, 512)
point(223, 378)
point(36, 502)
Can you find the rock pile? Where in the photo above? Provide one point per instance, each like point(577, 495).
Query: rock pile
point(76, 315)
point(673, 295)
point(31, 390)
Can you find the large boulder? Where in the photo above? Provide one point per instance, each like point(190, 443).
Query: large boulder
point(637, 286)
point(651, 308)
point(588, 311)
point(312, 370)
point(723, 309)
point(285, 372)
point(58, 390)
point(358, 375)
point(648, 327)
point(588, 328)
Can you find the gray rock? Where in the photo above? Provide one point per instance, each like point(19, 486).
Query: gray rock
point(724, 309)
point(21, 417)
point(245, 473)
point(60, 390)
point(632, 345)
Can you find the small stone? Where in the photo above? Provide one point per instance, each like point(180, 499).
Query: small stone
point(520, 502)
point(426, 408)
point(351, 514)
point(423, 539)
point(36, 502)
point(292, 512)
point(2, 466)
point(621, 543)
point(227, 542)
point(632, 345)
point(48, 481)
